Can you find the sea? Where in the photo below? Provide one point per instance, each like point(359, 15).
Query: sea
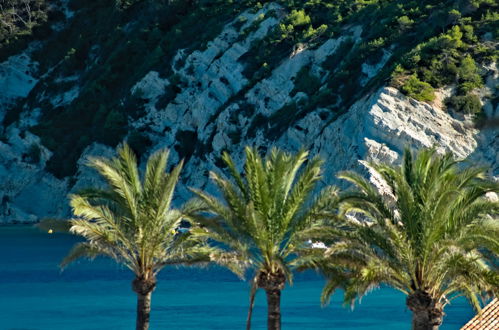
point(96, 294)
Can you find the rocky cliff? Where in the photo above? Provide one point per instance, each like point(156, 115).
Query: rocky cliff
point(216, 106)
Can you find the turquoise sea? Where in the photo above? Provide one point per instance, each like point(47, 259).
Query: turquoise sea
point(35, 294)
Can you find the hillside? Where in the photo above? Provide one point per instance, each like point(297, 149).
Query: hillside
point(350, 80)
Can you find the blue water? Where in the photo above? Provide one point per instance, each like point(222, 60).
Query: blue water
point(35, 294)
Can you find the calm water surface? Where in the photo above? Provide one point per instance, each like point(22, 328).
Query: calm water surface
point(35, 294)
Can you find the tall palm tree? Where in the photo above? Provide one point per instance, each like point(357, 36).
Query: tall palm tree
point(132, 222)
point(260, 216)
point(427, 230)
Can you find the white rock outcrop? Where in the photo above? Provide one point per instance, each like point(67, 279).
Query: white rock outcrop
point(376, 128)
point(223, 110)
point(210, 77)
point(379, 127)
point(28, 193)
point(16, 80)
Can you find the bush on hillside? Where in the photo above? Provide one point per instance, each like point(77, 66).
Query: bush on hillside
point(468, 104)
point(468, 75)
point(418, 89)
point(19, 17)
point(110, 49)
point(139, 142)
point(34, 153)
point(305, 82)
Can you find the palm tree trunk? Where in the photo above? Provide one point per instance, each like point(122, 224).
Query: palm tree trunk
point(144, 288)
point(426, 320)
point(143, 311)
point(274, 309)
point(427, 313)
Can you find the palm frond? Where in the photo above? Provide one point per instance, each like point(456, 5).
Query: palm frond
point(262, 207)
point(427, 226)
point(131, 220)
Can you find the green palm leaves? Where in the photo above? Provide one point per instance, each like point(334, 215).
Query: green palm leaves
point(262, 212)
point(426, 230)
point(426, 227)
point(132, 222)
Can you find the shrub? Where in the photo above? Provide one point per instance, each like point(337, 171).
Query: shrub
point(306, 82)
point(298, 18)
point(139, 142)
point(115, 126)
point(469, 104)
point(34, 153)
point(418, 89)
point(312, 33)
point(235, 136)
point(281, 119)
point(246, 109)
point(186, 143)
point(124, 4)
point(454, 16)
point(322, 98)
point(19, 20)
point(13, 114)
point(469, 34)
point(333, 61)
point(404, 22)
point(253, 27)
point(134, 105)
point(117, 47)
point(468, 75)
point(258, 121)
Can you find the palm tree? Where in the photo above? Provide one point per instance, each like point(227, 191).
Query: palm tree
point(132, 222)
point(427, 229)
point(260, 215)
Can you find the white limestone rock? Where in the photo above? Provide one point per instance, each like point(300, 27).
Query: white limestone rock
point(375, 128)
point(16, 76)
point(16, 79)
point(66, 97)
point(490, 89)
point(379, 127)
point(211, 76)
point(87, 177)
point(151, 86)
point(27, 192)
point(371, 70)
point(272, 93)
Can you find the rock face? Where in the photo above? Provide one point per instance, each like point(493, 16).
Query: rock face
point(27, 192)
point(217, 108)
point(16, 80)
point(211, 78)
point(380, 127)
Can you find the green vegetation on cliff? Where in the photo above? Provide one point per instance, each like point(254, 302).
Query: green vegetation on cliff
point(109, 49)
point(427, 44)
point(22, 21)
point(108, 45)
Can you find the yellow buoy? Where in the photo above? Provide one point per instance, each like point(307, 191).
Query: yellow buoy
point(50, 231)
